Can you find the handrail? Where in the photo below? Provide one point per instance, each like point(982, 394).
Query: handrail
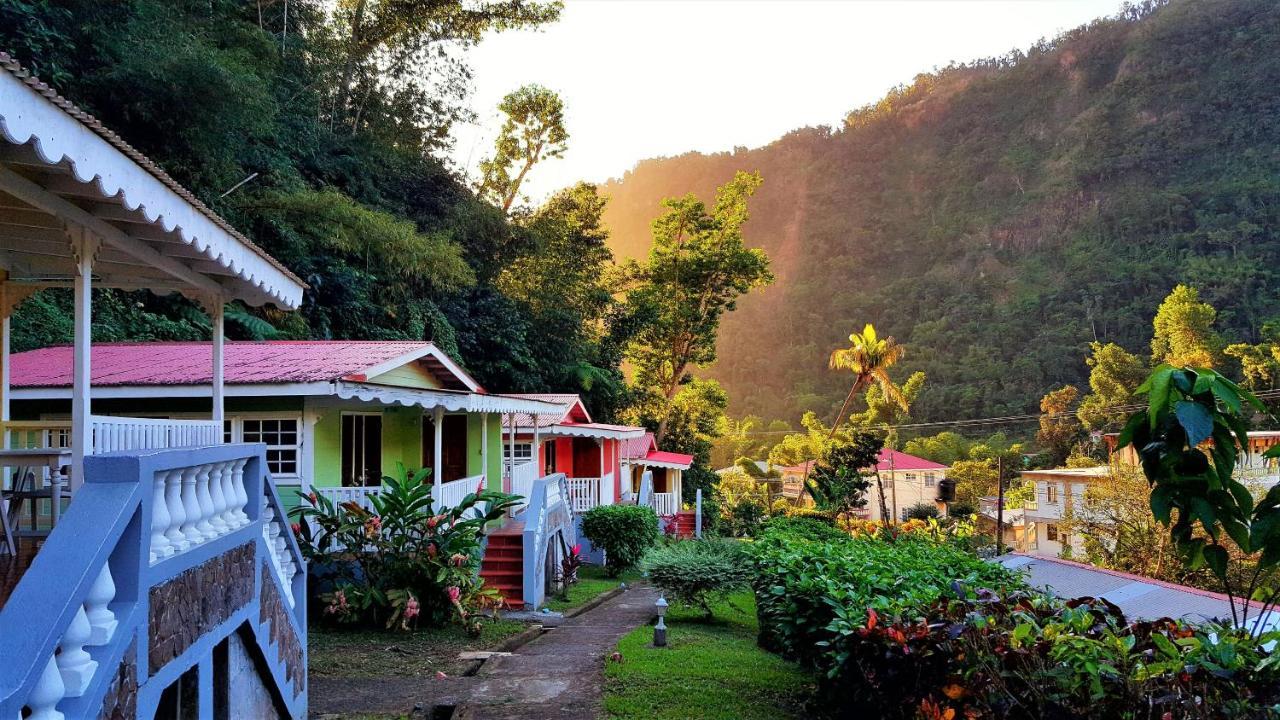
point(113, 536)
point(548, 511)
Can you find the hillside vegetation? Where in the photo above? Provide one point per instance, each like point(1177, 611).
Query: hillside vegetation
point(997, 216)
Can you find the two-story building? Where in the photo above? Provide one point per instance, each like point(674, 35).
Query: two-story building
point(1058, 493)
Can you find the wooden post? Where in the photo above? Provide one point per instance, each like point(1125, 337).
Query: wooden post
point(511, 449)
point(216, 313)
point(999, 505)
point(484, 449)
point(697, 518)
point(84, 248)
point(437, 466)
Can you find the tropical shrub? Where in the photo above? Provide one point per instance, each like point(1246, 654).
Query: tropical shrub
point(624, 532)
point(815, 527)
point(400, 563)
point(922, 511)
point(917, 628)
point(694, 572)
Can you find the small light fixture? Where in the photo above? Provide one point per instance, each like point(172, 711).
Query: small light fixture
point(660, 630)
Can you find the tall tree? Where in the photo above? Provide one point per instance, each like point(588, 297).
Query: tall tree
point(1184, 334)
point(839, 480)
point(869, 358)
point(412, 46)
point(1059, 429)
point(1114, 375)
point(697, 269)
point(533, 131)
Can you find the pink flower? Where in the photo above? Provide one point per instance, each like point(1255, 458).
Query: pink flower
point(411, 609)
point(311, 496)
point(432, 551)
point(480, 486)
point(433, 521)
point(440, 675)
point(576, 550)
point(458, 560)
point(372, 526)
point(297, 529)
point(455, 592)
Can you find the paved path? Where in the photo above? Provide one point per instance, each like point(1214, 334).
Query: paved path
point(558, 676)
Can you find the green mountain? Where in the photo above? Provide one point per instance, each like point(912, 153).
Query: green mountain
point(999, 215)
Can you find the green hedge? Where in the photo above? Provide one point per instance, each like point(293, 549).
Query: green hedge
point(624, 532)
point(696, 572)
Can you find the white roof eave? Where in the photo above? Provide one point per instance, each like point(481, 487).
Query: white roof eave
point(30, 116)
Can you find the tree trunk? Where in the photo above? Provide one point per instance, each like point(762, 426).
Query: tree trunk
point(884, 508)
point(858, 385)
point(349, 67)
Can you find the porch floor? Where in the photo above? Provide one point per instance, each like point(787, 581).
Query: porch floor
point(513, 527)
point(12, 567)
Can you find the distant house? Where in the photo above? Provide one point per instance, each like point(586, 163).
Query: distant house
point(1057, 494)
point(1251, 466)
point(1018, 534)
point(908, 480)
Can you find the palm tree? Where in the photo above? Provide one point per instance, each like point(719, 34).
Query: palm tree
point(868, 357)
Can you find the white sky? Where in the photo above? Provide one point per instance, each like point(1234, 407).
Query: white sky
point(648, 78)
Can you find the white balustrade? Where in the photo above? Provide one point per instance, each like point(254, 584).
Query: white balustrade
point(194, 505)
point(665, 503)
point(111, 434)
point(522, 480)
point(358, 495)
point(102, 621)
point(450, 494)
point(584, 492)
point(74, 663)
point(286, 568)
point(47, 693)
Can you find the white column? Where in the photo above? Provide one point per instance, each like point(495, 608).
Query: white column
point(511, 447)
point(536, 448)
point(84, 247)
point(438, 429)
point(484, 449)
point(219, 331)
point(6, 311)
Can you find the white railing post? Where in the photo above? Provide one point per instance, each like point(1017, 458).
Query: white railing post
point(190, 508)
point(102, 621)
point(160, 545)
point(173, 501)
point(74, 664)
point(47, 693)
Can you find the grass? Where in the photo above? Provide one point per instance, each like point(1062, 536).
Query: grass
point(710, 670)
point(368, 653)
point(592, 583)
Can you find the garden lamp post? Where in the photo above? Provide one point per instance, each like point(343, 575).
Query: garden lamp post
point(660, 630)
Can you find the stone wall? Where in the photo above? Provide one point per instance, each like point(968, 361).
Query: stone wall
point(193, 603)
point(121, 700)
point(288, 648)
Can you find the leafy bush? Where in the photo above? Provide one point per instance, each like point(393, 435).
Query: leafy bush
point(399, 563)
point(624, 532)
point(922, 511)
point(917, 628)
point(694, 572)
point(814, 527)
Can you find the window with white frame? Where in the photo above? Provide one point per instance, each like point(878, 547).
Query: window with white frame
point(911, 478)
point(282, 436)
point(361, 449)
point(930, 480)
point(1051, 493)
point(523, 452)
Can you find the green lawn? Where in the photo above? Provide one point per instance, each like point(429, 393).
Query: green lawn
point(364, 653)
point(709, 671)
point(592, 583)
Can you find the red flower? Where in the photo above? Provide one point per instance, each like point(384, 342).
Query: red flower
point(454, 593)
point(458, 560)
point(297, 529)
point(872, 618)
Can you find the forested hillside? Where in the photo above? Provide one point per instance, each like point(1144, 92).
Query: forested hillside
point(999, 215)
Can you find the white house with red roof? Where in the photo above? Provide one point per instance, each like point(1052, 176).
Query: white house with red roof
point(908, 480)
point(640, 455)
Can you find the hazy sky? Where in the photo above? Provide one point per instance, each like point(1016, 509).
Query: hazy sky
point(647, 78)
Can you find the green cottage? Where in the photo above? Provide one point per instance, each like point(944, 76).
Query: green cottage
point(336, 415)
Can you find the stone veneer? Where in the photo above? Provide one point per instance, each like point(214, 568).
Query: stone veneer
point(193, 603)
point(288, 649)
point(121, 700)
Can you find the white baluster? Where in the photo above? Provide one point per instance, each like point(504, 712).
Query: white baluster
point(205, 500)
point(46, 695)
point(229, 495)
point(101, 620)
point(160, 545)
point(191, 505)
point(242, 495)
point(219, 500)
point(177, 511)
point(75, 665)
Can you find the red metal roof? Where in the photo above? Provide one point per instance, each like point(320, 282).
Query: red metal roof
point(574, 410)
point(670, 457)
point(889, 460)
point(636, 448)
point(191, 363)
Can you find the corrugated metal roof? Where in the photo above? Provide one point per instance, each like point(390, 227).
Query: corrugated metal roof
point(635, 448)
point(1139, 597)
point(191, 363)
point(568, 400)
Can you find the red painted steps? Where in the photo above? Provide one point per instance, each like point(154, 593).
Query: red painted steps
point(685, 522)
point(503, 564)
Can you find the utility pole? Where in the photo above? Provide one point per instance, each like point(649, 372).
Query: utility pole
point(893, 475)
point(999, 505)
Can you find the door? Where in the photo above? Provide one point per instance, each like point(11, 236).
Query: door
point(453, 446)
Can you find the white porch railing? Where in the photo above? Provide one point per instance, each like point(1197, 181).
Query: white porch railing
point(584, 493)
point(522, 481)
point(111, 434)
point(358, 495)
point(665, 503)
point(450, 494)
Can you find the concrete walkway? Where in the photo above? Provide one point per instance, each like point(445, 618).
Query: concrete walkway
point(558, 676)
